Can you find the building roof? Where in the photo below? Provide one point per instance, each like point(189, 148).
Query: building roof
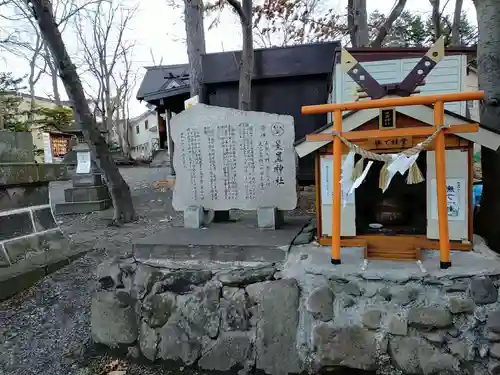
point(486, 136)
point(277, 62)
point(164, 81)
point(365, 54)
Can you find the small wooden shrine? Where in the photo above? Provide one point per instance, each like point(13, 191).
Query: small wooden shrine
point(404, 181)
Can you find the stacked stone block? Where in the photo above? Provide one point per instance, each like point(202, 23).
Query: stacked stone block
point(31, 242)
point(88, 193)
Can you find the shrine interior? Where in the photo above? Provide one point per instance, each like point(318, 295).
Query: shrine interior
point(400, 210)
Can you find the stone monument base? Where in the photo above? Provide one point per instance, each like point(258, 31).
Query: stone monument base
point(270, 218)
point(303, 315)
point(87, 195)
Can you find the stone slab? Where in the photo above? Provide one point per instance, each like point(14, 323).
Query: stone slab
point(25, 273)
point(230, 159)
point(29, 173)
point(15, 225)
point(225, 242)
point(13, 197)
point(86, 193)
point(46, 244)
point(43, 219)
point(70, 208)
point(87, 179)
point(16, 147)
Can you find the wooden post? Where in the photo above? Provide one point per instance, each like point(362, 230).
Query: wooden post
point(337, 188)
point(170, 142)
point(442, 196)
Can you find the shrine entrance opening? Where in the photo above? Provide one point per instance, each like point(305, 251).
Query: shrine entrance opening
point(400, 210)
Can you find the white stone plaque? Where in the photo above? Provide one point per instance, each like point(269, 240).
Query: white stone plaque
point(83, 162)
point(226, 158)
point(455, 191)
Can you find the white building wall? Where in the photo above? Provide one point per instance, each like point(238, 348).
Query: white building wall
point(144, 136)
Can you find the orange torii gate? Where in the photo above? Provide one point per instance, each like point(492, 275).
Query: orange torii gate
point(440, 149)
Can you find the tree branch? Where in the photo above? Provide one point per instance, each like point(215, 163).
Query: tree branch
point(386, 27)
point(238, 9)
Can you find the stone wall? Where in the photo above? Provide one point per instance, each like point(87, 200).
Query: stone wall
point(31, 243)
point(292, 319)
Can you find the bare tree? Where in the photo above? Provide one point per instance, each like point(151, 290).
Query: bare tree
point(119, 190)
point(436, 18)
point(28, 43)
point(100, 32)
point(455, 27)
point(125, 84)
point(488, 18)
point(289, 22)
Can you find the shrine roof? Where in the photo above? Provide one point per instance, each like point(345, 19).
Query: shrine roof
point(164, 81)
point(487, 136)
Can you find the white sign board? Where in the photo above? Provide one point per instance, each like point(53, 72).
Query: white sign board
point(83, 161)
point(456, 189)
point(47, 148)
point(226, 158)
point(191, 102)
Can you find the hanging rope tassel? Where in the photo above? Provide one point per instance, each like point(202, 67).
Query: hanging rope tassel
point(414, 175)
point(384, 175)
point(358, 169)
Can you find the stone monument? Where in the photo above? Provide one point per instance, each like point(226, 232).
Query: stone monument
point(88, 193)
point(31, 242)
point(230, 159)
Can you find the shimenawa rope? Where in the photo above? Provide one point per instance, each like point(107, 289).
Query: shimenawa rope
point(414, 175)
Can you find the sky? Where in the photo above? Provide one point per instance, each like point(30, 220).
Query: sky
point(158, 31)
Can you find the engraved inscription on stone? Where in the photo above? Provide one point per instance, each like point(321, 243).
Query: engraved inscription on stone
point(226, 158)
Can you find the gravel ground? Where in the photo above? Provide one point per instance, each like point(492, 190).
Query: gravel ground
point(46, 329)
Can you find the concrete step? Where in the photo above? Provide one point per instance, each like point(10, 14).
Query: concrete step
point(220, 242)
point(69, 208)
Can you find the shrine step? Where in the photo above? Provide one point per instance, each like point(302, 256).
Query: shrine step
point(381, 253)
point(70, 208)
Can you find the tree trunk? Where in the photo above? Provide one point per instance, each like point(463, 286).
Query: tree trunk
point(436, 18)
point(195, 40)
point(455, 28)
point(119, 190)
point(244, 11)
point(31, 84)
point(357, 23)
point(488, 17)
